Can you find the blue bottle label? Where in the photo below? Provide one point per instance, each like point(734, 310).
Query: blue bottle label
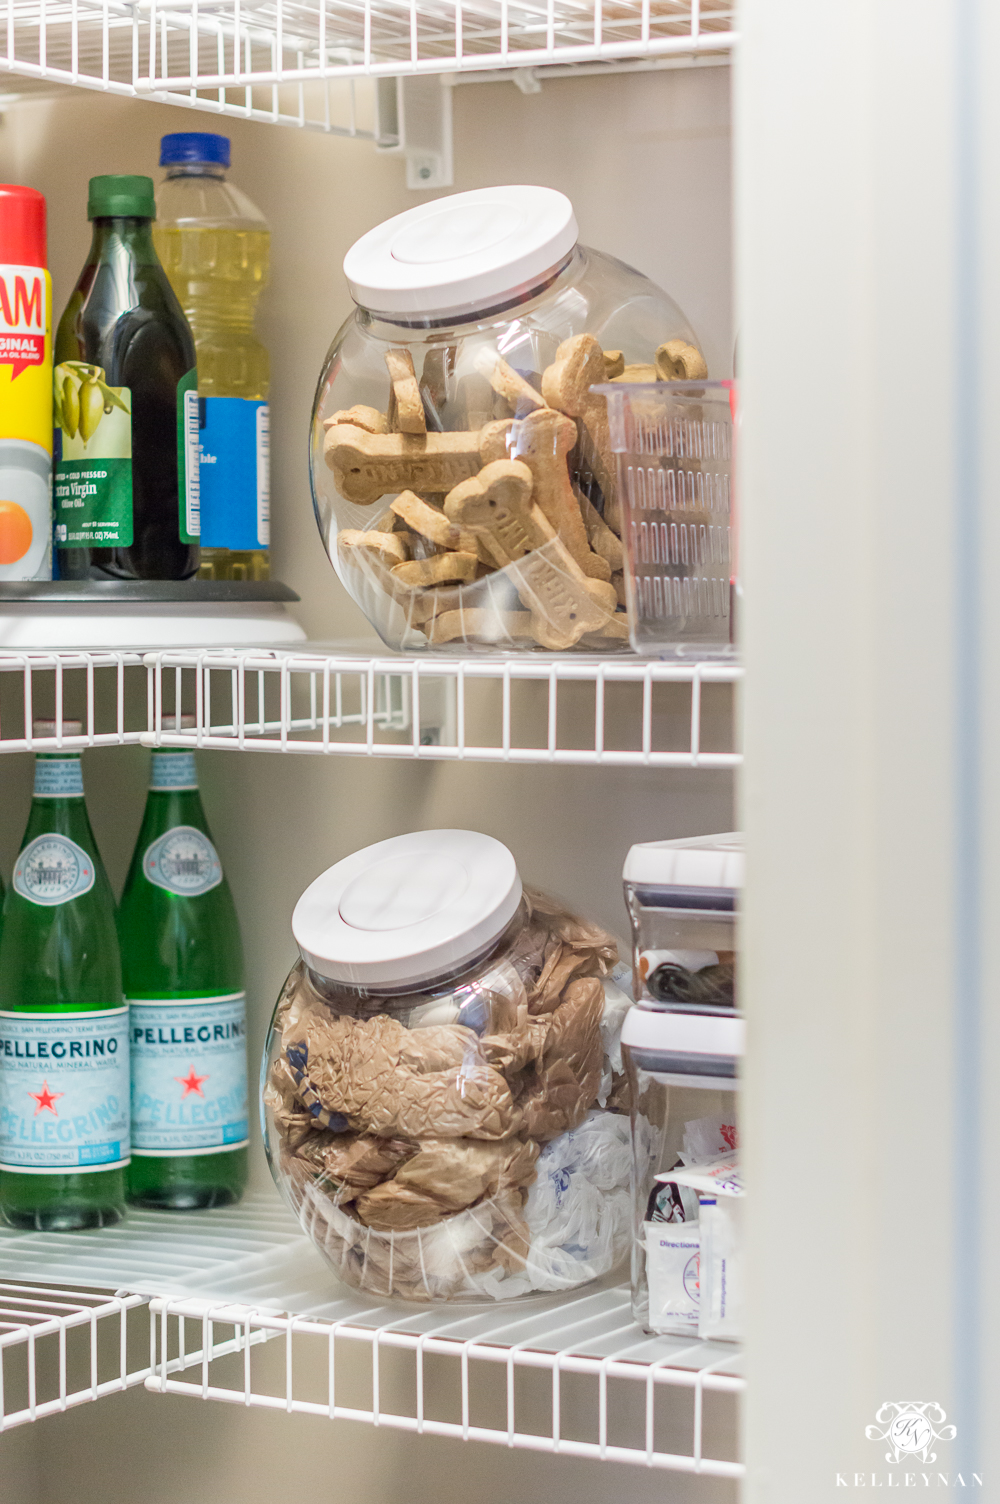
point(183, 861)
point(189, 1076)
point(235, 474)
point(64, 1089)
point(53, 869)
point(58, 778)
point(173, 770)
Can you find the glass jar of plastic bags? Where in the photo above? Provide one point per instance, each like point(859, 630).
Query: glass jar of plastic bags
point(462, 468)
point(441, 1109)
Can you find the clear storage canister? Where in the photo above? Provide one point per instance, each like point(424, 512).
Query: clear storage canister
point(681, 1047)
point(462, 466)
point(440, 1106)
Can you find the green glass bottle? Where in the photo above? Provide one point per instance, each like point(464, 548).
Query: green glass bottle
point(64, 1068)
point(126, 439)
point(183, 967)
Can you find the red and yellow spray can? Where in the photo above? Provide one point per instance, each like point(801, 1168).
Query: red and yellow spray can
point(25, 388)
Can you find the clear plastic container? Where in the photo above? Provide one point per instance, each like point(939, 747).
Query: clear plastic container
point(440, 1106)
point(462, 472)
point(673, 445)
point(681, 1047)
point(214, 244)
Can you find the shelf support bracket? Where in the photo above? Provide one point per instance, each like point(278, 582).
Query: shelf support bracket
point(413, 119)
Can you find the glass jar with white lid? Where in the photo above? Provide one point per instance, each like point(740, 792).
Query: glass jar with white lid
point(462, 470)
point(440, 1108)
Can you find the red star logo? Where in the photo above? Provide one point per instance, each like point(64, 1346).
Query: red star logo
point(191, 1084)
point(46, 1099)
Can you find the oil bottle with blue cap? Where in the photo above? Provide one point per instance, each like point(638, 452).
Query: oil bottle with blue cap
point(215, 246)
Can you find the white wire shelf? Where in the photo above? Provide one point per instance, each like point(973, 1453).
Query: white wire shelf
point(533, 709)
point(571, 1375)
point(286, 60)
point(55, 1345)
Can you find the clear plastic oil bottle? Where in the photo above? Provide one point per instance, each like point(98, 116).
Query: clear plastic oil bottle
point(215, 246)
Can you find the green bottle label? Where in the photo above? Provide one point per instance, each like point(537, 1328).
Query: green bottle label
point(64, 1091)
point(184, 862)
point(52, 869)
point(173, 770)
point(92, 459)
point(188, 457)
point(189, 1075)
point(58, 778)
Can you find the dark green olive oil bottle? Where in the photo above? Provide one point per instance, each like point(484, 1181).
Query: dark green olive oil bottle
point(125, 461)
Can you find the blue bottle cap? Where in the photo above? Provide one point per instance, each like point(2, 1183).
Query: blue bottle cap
point(194, 146)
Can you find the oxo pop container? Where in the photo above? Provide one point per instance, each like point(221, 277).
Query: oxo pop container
point(673, 445)
point(441, 1109)
point(681, 1047)
point(481, 326)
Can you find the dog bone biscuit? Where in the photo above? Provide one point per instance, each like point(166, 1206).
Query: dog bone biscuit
point(579, 365)
point(439, 569)
point(426, 520)
point(563, 605)
point(679, 361)
point(616, 628)
point(475, 622)
point(508, 383)
point(542, 440)
point(409, 406)
point(390, 547)
point(368, 418)
point(369, 465)
point(637, 373)
point(496, 505)
point(614, 364)
point(602, 540)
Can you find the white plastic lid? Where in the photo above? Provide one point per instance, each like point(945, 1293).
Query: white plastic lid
point(408, 909)
point(701, 862)
point(470, 251)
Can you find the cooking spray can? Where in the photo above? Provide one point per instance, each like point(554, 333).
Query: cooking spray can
point(25, 388)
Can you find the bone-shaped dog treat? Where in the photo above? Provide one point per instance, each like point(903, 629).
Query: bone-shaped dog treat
point(368, 418)
point(390, 547)
point(473, 622)
point(679, 361)
point(496, 505)
point(563, 605)
point(439, 365)
point(508, 383)
point(579, 365)
point(366, 465)
point(615, 628)
point(614, 364)
point(439, 569)
point(637, 373)
point(542, 440)
point(426, 520)
point(409, 405)
point(602, 540)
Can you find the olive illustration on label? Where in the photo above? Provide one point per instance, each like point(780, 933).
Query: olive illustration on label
point(82, 399)
point(91, 409)
point(70, 407)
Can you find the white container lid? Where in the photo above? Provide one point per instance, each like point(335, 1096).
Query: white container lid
point(470, 251)
point(408, 909)
point(685, 1047)
point(700, 862)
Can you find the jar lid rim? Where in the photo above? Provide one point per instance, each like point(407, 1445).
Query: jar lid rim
point(408, 909)
point(469, 250)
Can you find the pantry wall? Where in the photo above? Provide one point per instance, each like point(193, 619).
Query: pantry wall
point(646, 161)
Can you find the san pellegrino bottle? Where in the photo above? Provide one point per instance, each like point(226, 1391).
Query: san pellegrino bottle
point(64, 1065)
point(215, 247)
point(183, 968)
point(125, 460)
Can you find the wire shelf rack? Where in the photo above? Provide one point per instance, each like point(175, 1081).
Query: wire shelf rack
point(60, 1348)
point(624, 712)
point(285, 60)
point(244, 1311)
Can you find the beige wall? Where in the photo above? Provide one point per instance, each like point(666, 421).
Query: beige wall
point(645, 159)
